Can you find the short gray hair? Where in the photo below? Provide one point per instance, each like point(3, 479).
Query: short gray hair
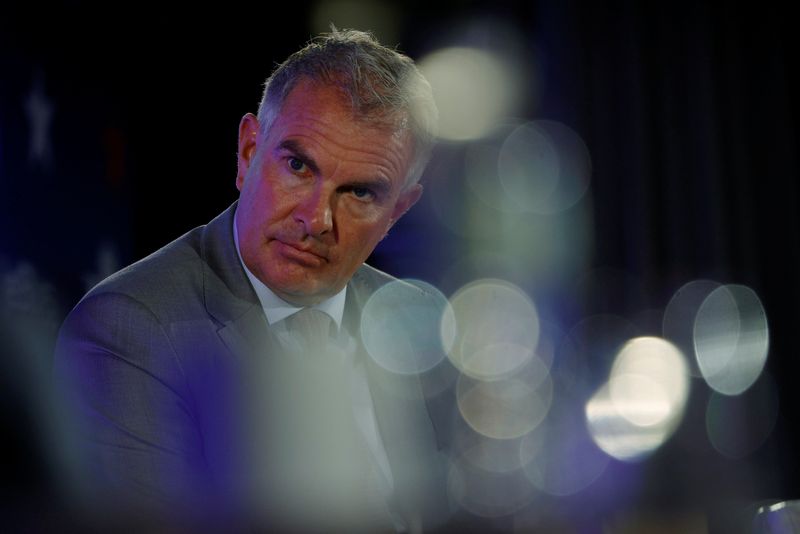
point(384, 87)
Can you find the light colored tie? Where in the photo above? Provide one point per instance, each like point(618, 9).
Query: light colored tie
point(310, 329)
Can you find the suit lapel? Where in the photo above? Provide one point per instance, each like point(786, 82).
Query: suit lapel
point(386, 387)
point(229, 297)
point(402, 419)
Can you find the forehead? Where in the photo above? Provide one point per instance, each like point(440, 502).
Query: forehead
point(320, 116)
point(330, 95)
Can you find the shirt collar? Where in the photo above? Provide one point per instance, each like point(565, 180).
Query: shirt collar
point(275, 308)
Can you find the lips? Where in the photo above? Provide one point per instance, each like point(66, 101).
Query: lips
point(302, 253)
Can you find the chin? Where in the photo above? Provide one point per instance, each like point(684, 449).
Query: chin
point(298, 293)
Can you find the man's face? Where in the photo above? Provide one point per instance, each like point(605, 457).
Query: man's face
point(317, 193)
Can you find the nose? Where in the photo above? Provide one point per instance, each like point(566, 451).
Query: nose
point(314, 212)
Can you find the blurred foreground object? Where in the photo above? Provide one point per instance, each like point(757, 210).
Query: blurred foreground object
point(779, 518)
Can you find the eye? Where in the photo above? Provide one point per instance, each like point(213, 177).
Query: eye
point(363, 193)
point(296, 165)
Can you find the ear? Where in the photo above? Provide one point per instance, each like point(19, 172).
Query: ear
point(407, 198)
point(248, 136)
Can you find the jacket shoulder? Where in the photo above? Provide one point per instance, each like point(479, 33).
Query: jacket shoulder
point(172, 274)
point(370, 279)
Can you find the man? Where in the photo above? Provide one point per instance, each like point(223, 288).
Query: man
point(222, 378)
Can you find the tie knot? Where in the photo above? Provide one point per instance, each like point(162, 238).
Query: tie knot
point(311, 329)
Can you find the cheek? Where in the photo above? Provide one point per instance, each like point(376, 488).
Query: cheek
point(248, 197)
point(364, 238)
point(261, 199)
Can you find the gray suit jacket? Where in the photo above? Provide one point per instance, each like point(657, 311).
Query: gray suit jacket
point(153, 361)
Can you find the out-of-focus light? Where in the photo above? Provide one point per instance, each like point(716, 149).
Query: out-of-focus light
point(437, 380)
point(506, 408)
point(778, 518)
point(639, 399)
point(459, 205)
point(560, 457)
point(550, 337)
point(616, 435)
point(544, 167)
point(468, 199)
point(310, 431)
point(731, 339)
point(473, 89)
point(489, 454)
point(495, 327)
point(487, 493)
point(400, 327)
point(739, 425)
point(540, 167)
point(381, 18)
point(643, 401)
point(532, 445)
point(481, 173)
point(679, 315)
point(649, 381)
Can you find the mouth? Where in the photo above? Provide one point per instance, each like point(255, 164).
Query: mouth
point(301, 254)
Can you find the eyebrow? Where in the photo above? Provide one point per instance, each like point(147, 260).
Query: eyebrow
point(379, 183)
point(294, 147)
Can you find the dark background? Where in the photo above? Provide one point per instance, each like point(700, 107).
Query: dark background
point(689, 112)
